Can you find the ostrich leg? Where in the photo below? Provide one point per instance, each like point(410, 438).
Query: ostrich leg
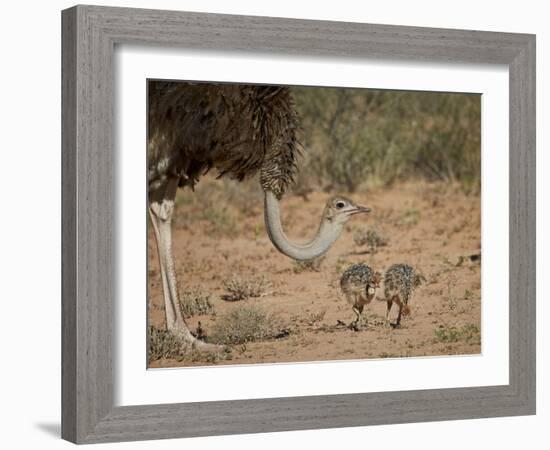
point(161, 209)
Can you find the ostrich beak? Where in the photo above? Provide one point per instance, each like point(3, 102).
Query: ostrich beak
point(360, 210)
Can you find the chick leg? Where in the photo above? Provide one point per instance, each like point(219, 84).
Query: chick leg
point(389, 302)
point(398, 322)
point(358, 310)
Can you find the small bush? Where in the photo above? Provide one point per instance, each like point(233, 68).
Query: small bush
point(163, 344)
point(468, 333)
point(196, 301)
point(341, 264)
point(312, 319)
point(312, 265)
point(410, 218)
point(241, 289)
point(247, 323)
point(372, 238)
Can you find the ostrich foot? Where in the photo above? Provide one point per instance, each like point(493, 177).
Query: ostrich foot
point(202, 346)
point(190, 342)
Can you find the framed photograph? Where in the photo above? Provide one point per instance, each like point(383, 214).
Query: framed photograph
point(278, 224)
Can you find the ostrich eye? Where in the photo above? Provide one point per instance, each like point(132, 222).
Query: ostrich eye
point(340, 205)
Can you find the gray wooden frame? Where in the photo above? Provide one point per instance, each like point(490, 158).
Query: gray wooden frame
point(89, 36)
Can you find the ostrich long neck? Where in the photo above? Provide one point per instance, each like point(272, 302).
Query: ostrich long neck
point(327, 233)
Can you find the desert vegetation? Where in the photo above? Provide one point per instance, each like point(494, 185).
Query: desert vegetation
point(414, 158)
point(360, 138)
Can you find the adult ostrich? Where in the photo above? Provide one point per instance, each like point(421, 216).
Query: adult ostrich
point(238, 130)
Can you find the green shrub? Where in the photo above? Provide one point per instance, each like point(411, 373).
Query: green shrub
point(357, 137)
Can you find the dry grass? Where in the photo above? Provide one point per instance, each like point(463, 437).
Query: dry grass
point(247, 323)
point(196, 301)
point(163, 344)
point(310, 319)
point(468, 333)
point(221, 221)
point(240, 288)
point(449, 296)
point(371, 238)
point(312, 265)
point(410, 218)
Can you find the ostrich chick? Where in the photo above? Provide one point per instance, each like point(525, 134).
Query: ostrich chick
point(399, 284)
point(359, 283)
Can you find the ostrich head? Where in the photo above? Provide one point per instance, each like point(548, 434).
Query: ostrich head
point(340, 209)
point(337, 212)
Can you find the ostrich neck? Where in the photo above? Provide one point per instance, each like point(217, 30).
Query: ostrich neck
point(327, 233)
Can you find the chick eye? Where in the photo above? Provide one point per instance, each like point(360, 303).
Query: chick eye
point(340, 205)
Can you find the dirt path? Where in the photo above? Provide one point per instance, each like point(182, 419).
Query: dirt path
point(432, 227)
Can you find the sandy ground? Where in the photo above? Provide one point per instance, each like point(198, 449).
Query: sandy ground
point(430, 226)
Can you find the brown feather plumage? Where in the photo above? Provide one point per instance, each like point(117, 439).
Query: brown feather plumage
point(236, 129)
